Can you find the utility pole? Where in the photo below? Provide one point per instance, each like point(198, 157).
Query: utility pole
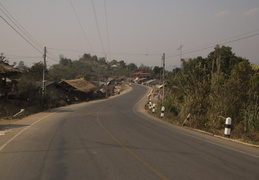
point(162, 115)
point(43, 74)
point(163, 59)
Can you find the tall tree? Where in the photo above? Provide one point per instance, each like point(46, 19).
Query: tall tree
point(225, 57)
point(35, 72)
point(122, 64)
point(21, 66)
point(65, 61)
point(132, 67)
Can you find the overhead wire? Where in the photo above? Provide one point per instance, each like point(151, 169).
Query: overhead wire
point(31, 40)
point(128, 54)
point(220, 42)
point(54, 59)
point(22, 35)
point(27, 40)
point(213, 45)
point(176, 55)
point(19, 26)
point(107, 28)
point(72, 50)
point(97, 24)
point(21, 57)
point(82, 29)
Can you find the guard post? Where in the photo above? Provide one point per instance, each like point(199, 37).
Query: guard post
point(187, 119)
point(162, 112)
point(227, 127)
point(154, 108)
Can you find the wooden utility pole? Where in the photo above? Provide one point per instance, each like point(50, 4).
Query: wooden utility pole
point(163, 59)
point(43, 74)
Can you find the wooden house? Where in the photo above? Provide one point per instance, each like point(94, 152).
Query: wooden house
point(75, 90)
point(7, 71)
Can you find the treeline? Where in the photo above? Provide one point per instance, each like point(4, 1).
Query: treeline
point(212, 89)
point(88, 67)
point(91, 68)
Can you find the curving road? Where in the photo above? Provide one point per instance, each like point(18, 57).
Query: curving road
point(112, 139)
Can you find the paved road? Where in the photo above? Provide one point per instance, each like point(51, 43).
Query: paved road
point(111, 139)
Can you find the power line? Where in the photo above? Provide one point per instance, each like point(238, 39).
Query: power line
point(96, 20)
point(52, 55)
point(137, 54)
point(54, 59)
point(116, 53)
point(26, 39)
point(72, 50)
point(19, 26)
point(211, 46)
point(107, 29)
point(220, 42)
point(21, 35)
point(22, 57)
point(23, 30)
point(87, 40)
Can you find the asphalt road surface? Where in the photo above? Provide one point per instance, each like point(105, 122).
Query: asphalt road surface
point(112, 139)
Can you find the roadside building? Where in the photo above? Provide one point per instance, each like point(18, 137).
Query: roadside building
point(141, 75)
point(7, 85)
point(75, 90)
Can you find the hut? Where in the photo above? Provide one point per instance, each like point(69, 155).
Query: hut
point(77, 89)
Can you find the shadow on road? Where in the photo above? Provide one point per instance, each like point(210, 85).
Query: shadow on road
point(11, 126)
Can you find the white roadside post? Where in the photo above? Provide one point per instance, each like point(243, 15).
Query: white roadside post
point(162, 112)
point(154, 108)
point(187, 119)
point(227, 127)
point(150, 105)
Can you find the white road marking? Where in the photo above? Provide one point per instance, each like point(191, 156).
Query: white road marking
point(10, 140)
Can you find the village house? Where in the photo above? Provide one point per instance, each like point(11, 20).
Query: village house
point(7, 85)
point(73, 90)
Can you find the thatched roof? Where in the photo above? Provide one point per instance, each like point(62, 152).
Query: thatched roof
point(80, 85)
point(5, 68)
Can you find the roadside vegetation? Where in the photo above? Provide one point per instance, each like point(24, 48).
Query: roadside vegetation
point(213, 88)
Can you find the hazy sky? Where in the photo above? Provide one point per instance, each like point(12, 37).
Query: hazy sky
point(137, 31)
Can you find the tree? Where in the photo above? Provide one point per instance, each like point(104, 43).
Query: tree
point(113, 62)
point(21, 66)
point(102, 61)
point(157, 71)
point(226, 58)
point(145, 69)
point(95, 58)
point(64, 61)
point(132, 67)
point(86, 57)
point(122, 64)
point(35, 72)
point(58, 72)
